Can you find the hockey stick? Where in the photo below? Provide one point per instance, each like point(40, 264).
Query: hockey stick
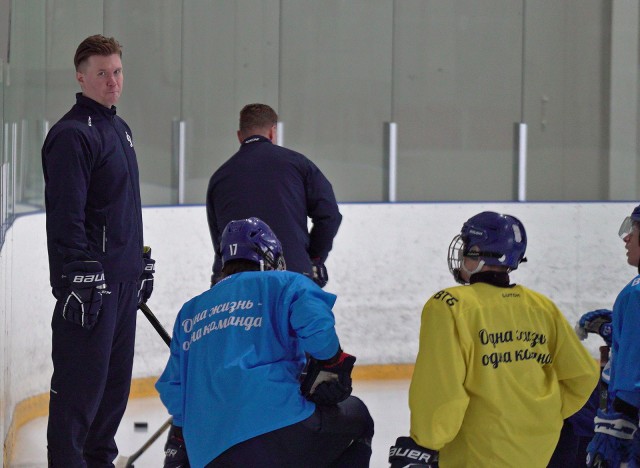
point(603, 393)
point(127, 462)
point(156, 323)
point(603, 388)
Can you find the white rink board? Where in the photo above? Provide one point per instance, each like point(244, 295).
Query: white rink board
point(386, 262)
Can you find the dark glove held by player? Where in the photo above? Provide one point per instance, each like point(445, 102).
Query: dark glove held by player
point(319, 272)
point(635, 450)
point(406, 453)
point(175, 451)
point(329, 382)
point(85, 281)
point(613, 439)
point(145, 283)
point(597, 321)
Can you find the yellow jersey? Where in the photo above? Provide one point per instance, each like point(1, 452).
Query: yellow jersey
point(497, 371)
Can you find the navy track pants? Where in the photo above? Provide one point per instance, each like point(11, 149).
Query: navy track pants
point(91, 381)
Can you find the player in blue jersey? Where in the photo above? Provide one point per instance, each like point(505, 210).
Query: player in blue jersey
point(616, 441)
point(237, 351)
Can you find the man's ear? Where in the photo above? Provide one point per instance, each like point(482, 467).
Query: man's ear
point(272, 134)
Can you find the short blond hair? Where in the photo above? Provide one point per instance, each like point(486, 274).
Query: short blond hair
point(96, 45)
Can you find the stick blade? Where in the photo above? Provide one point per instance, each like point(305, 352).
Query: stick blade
point(122, 462)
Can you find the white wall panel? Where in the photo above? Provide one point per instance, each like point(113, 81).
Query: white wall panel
point(387, 261)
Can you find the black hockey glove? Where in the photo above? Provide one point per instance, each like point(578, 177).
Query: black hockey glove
point(328, 382)
point(319, 272)
point(83, 300)
point(406, 453)
point(597, 321)
point(145, 283)
point(175, 451)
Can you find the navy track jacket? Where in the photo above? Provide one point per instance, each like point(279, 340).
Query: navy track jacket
point(281, 187)
point(92, 193)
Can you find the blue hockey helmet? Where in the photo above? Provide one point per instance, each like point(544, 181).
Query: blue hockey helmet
point(493, 238)
point(627, 224)
point(252, 239)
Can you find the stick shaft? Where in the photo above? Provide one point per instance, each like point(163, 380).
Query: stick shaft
point(603, 388)
point(127, 462)
point(155, 322)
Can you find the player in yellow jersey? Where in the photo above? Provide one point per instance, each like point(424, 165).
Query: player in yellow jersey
point(498, 367)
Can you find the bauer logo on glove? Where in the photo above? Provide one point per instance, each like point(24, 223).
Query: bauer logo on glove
point(83, 299)
point(145, 282)
point(84, 278)
point(408, 453)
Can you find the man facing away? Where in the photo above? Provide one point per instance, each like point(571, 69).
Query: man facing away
point(237, 351)
point(498, 368)
point(279, 186)
point(98, 270)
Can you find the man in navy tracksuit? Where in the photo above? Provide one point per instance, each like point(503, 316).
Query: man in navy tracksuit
point(279, 186)
point(98, 270)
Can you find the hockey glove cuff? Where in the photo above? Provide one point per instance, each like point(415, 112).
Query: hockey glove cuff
point(145, 283)
point(175, 450)
point(319, 272)
point(613, 439)
point(635, 451)
point(328, 382)
point(407, 453)
point(597, 321)
point(83, 301)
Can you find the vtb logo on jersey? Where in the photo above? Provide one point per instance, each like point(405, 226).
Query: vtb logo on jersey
point(90, 278)
point(129, 139)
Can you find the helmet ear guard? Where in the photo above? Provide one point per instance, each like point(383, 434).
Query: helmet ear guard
point(271, 260)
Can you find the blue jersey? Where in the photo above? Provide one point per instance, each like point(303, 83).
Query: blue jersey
point(625, 352)
point(236, 354)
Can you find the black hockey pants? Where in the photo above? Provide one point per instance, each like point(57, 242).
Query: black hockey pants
point(333, 436)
